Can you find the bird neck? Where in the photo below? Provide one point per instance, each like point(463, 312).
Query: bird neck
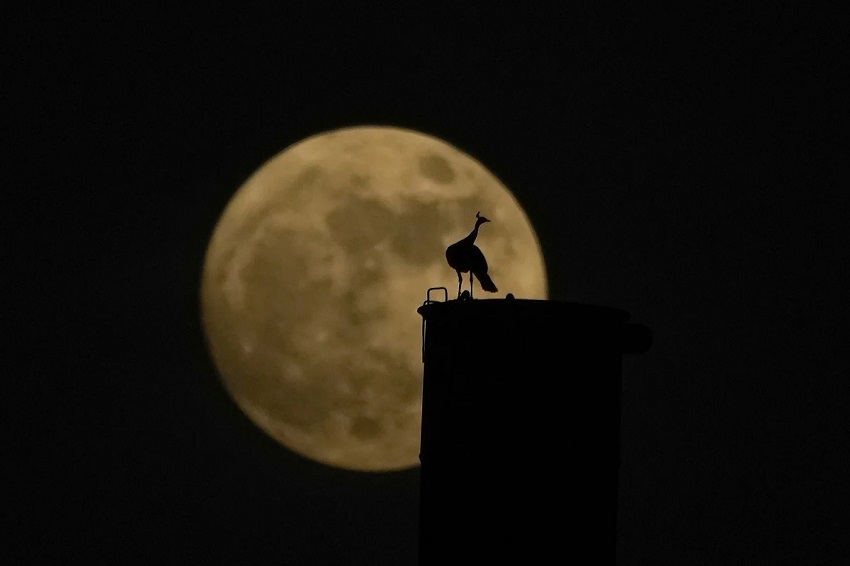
point(474, 233)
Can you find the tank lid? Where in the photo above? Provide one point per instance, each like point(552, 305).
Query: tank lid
point(525, 308)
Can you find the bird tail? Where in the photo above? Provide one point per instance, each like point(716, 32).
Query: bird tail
point(486, 283)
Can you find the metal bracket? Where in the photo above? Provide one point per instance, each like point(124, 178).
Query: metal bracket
point(429, 301)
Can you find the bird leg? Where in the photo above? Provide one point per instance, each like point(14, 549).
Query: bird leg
point(470, 284)
point(459, 283)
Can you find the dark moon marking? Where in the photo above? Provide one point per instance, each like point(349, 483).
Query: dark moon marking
point(417, 235)
point(359, 224)
point(436, 168)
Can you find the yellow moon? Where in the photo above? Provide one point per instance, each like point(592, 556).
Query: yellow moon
point(315, 269)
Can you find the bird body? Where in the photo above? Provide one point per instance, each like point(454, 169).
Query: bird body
point(465, 257)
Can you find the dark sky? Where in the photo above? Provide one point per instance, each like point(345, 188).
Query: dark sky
point(688, 165)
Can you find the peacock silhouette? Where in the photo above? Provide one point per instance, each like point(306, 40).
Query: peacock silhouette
point(465, 257)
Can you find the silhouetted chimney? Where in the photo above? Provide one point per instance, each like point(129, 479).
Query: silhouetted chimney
point(520, 438)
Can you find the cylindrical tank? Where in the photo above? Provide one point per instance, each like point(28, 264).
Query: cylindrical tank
point(520, 430)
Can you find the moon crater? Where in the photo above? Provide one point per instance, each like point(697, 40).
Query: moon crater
point(436, 168)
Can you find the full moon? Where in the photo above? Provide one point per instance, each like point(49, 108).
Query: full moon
point(314, 272)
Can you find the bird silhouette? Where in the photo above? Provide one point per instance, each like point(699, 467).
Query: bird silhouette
point(464, 256)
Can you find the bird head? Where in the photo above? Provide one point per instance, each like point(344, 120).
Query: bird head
point(480, 219)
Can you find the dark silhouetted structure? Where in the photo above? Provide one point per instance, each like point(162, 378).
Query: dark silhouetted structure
point(464, 256)
point(520, 430)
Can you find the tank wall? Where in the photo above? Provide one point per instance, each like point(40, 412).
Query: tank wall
point(520, 436)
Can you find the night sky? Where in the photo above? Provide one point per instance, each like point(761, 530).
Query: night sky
point(687, 165)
